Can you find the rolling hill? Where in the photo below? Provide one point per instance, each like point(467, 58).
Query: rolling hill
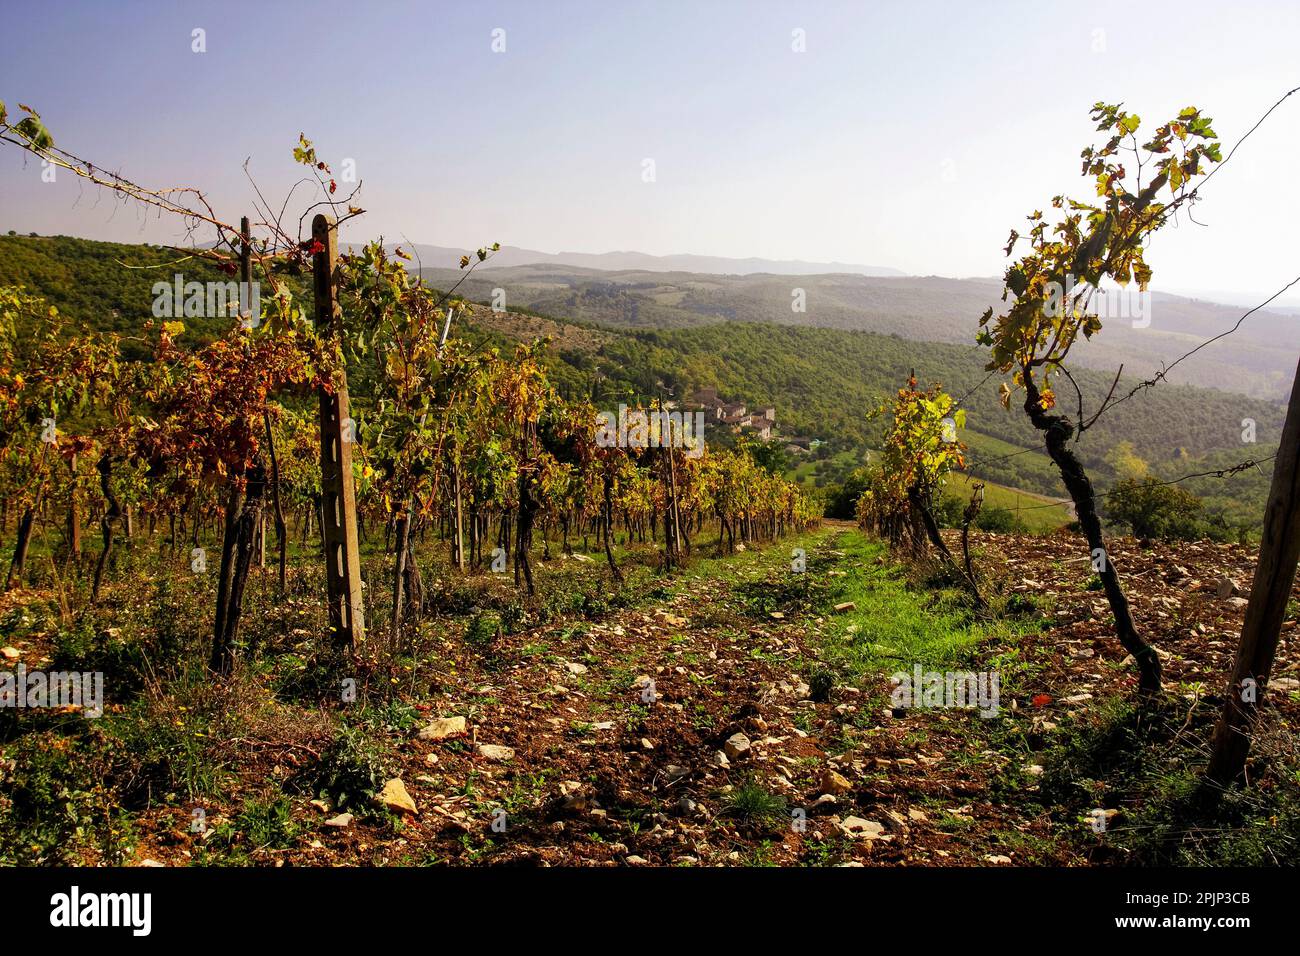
point(824, 382)
point(1258, 360)
point(512, 256)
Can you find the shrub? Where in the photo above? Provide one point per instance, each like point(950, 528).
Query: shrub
point(948, 511)
point(267, 823)
point(1155, 510)
point(350, 772)
point(161, 753)
point(842, 500)
point(820, 684)
point(55, 807)
point(484, 629)
point(999, 519)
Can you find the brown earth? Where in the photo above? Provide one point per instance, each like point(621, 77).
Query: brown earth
point(607, 771)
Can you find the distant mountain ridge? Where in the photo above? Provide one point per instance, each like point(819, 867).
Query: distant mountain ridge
point(1258, 360)
point(442, 257)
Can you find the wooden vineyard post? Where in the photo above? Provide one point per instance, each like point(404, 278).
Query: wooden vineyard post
point(248, 320)
point(338, 496)
point(74, 515)
point(1279, 550)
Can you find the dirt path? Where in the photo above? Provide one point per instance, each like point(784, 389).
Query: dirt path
point(681, 733)
point(733, 717)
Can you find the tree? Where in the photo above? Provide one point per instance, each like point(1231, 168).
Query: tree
point(208, 422)
point(209, 429)
point(46, 386)
point(398, 323)
point(1123, 457)
point(1053, 289)
point(842, 500)
point(920, 450)
point(1155, 510)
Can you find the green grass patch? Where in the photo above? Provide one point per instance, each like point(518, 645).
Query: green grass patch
point(894, 626)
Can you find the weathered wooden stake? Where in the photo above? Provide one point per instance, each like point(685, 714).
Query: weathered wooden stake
point(1279, 551)
point(74, 515)
point(338, 503)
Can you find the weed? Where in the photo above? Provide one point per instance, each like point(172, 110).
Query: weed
point(756, 805)
point(349, 773)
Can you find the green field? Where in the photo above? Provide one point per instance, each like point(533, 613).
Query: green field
point(1027, 507)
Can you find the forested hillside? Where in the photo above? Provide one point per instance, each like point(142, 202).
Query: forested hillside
point(1258, 360)
point(105, 285)
point(823, 382)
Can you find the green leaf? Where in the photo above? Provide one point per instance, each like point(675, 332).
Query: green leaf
point(35, 132)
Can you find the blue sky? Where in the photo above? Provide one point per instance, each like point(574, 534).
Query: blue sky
point(911, 135)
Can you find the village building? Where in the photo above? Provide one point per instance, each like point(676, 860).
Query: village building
point(736, 415)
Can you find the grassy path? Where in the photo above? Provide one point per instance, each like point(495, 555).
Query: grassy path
point(733, 718)
point(728, 714)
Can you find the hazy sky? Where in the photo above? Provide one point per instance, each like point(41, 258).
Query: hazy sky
point(909, 135)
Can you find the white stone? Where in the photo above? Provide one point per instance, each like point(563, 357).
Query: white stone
point(495, 752)
point(860, 829)
point(737, 746)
